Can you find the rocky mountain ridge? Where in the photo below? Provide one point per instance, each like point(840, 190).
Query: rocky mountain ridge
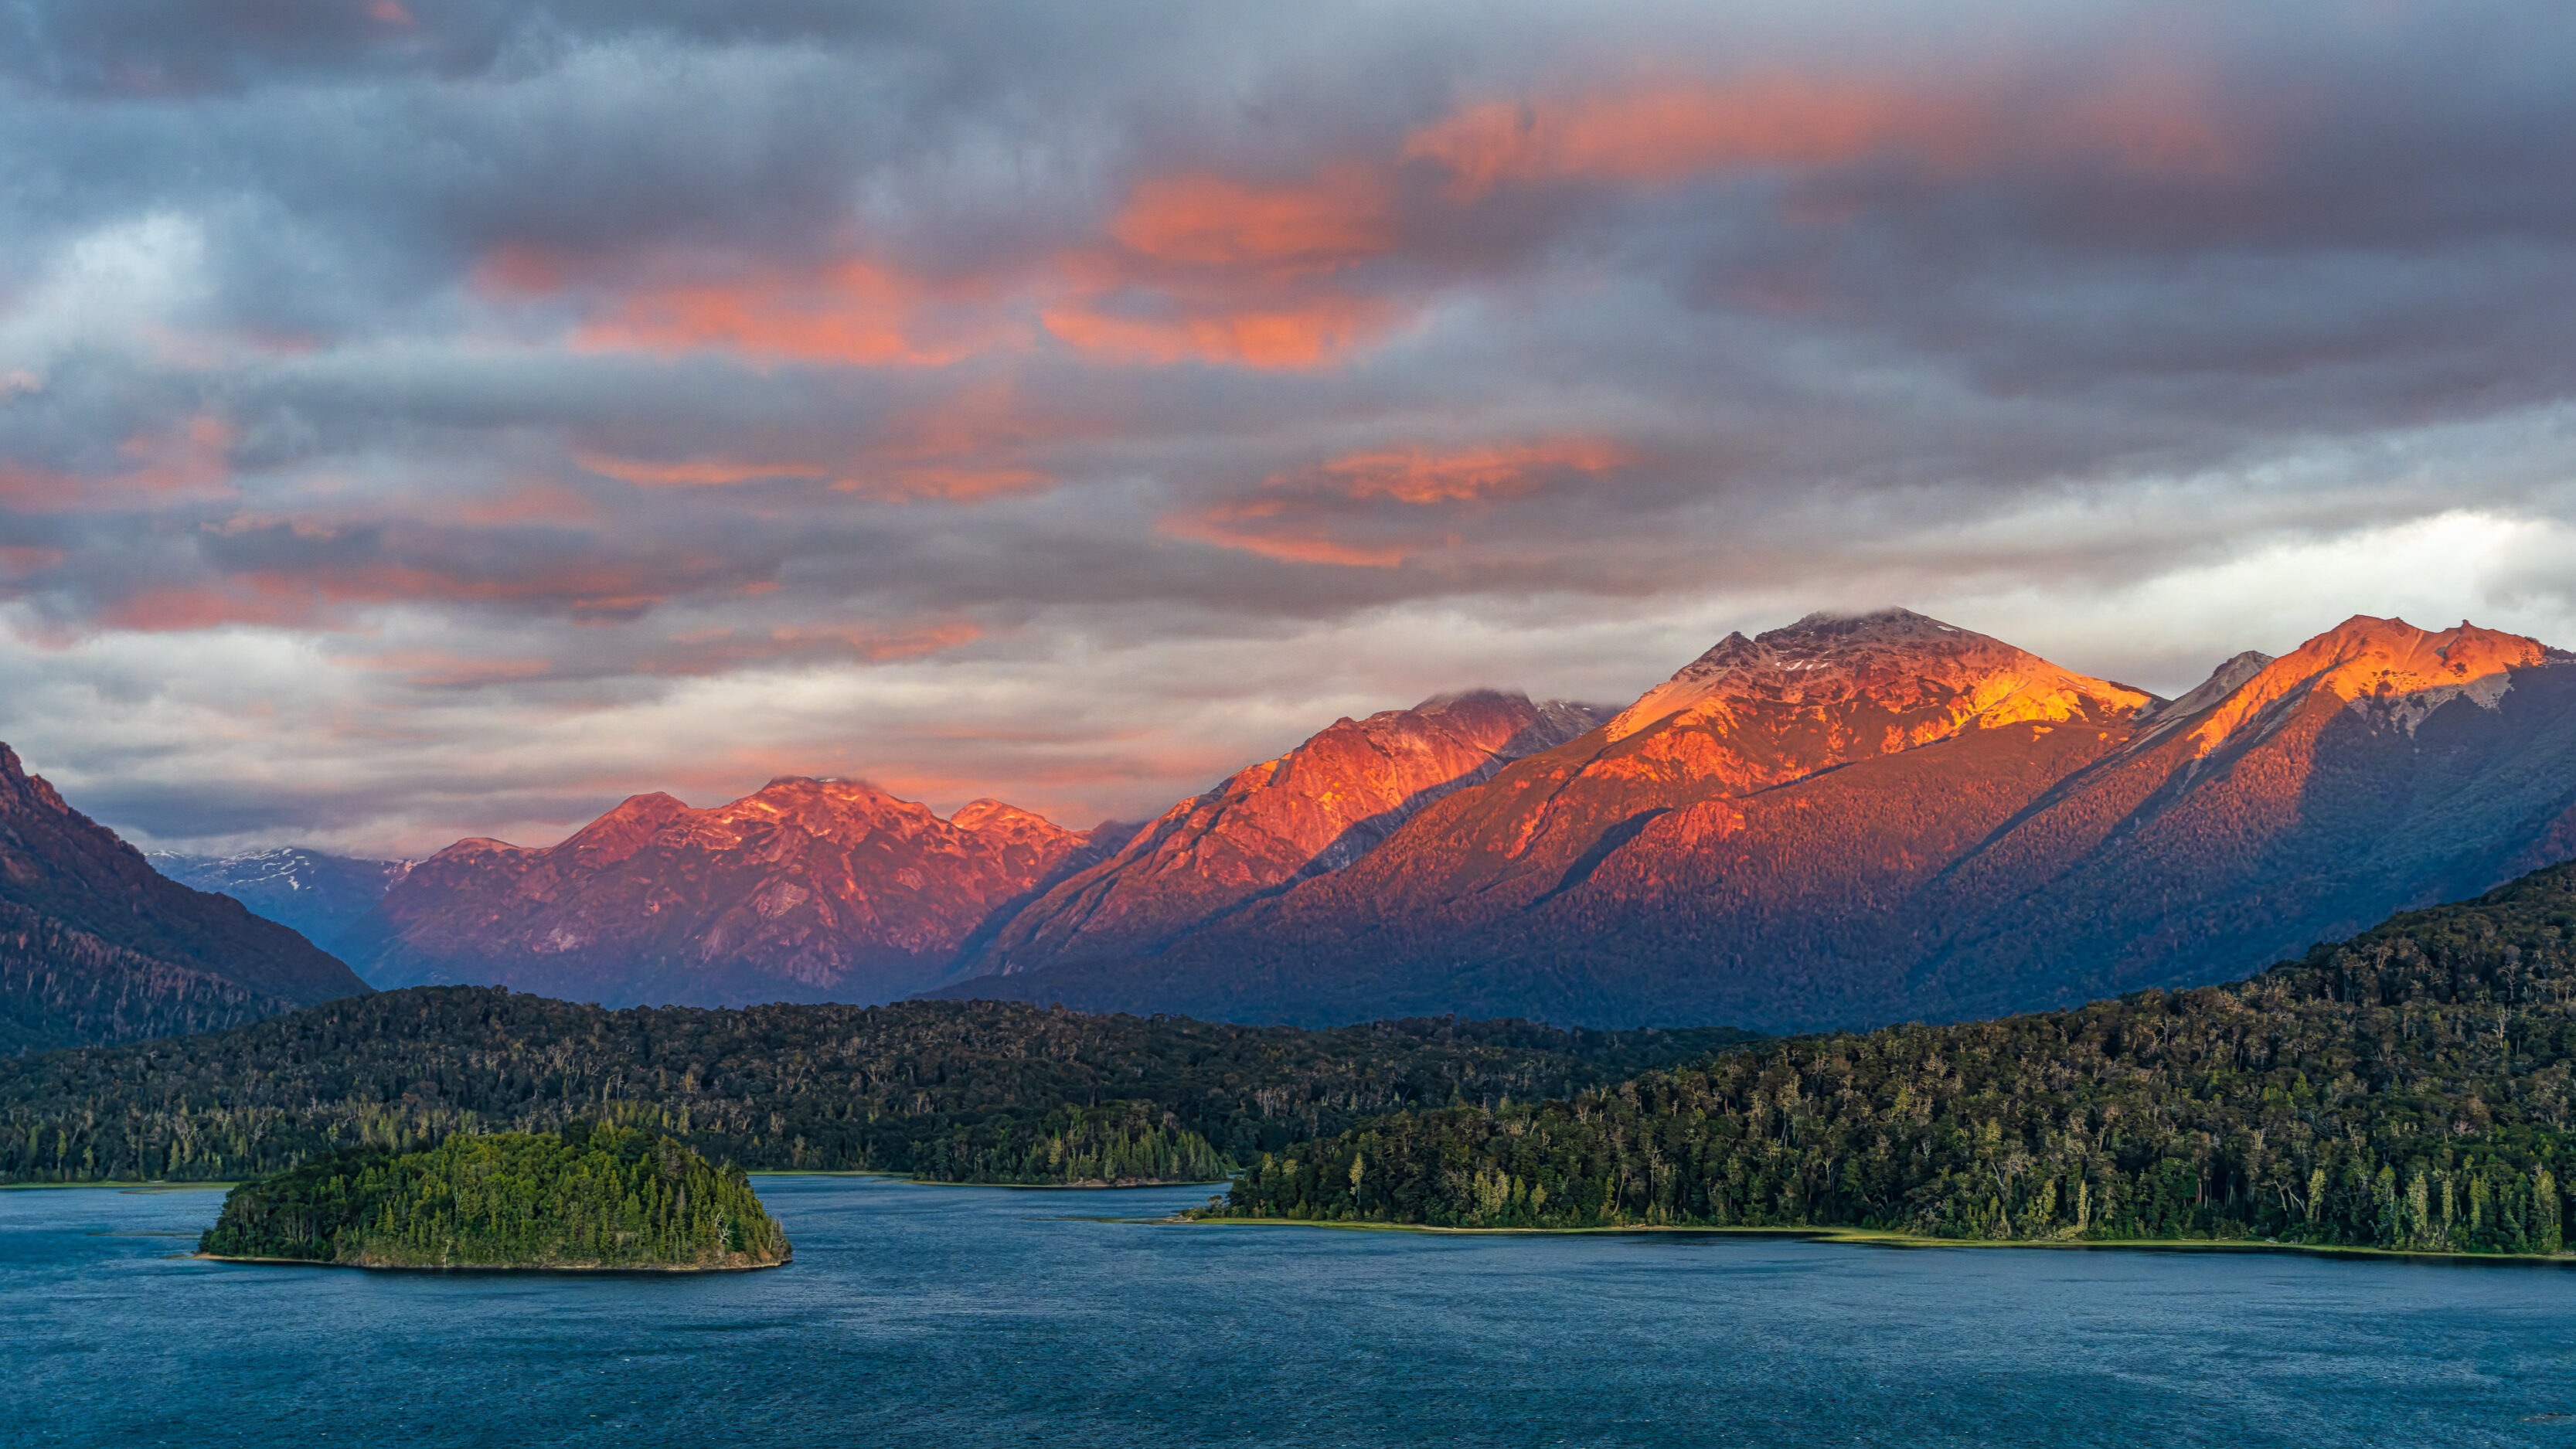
point(1307, 813)
point(1866, 819)
point(805, 890)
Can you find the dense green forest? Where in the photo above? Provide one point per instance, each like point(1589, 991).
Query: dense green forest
point(584, 1197)
point(2407, 1089)
point(958, 1091)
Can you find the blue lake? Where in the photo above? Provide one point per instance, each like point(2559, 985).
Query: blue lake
point(963, 1316)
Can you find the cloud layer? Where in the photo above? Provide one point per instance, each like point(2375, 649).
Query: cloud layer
point(428, 419)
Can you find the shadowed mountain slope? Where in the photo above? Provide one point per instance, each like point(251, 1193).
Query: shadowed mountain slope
point(95, 945)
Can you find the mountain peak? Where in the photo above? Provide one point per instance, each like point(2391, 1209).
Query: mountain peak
point(1868, 626)
point(23, 790)
point(627, 828)
point(2223, 681)
point(1895, 657)
point(2386, 664)
point(828, 784)
point(982, 816)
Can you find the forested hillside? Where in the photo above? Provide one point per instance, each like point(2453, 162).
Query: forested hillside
point(60, 986)
point(604, 1197)
point(2407, 1089)
point(959, 1091)
point(96, 946)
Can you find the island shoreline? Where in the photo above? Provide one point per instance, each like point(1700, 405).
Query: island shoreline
point(470, 1269)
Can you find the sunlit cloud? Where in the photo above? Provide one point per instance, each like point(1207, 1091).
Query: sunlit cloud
point(1332, 513)
point(972, 443)
point(852, 312)
point(1341, 216)
point(691, 472)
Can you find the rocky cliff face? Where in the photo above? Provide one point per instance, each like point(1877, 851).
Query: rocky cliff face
point(808, 890)
point(97, 946)
point(1860, 820)
point(1313, 810)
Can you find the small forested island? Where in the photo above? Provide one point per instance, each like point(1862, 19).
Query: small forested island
point(587, 1197)
point(2408, 1090)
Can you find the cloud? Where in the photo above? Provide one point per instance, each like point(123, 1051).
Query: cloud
point(149, 469)
point(450, 419)
point(2143, 120)
point(1297, 515)
point(1339, 217)
point(851, 312)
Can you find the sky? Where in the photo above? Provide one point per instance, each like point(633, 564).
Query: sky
point(422, 420)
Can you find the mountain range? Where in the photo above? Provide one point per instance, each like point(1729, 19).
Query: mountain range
point(1851, 820)
point(1305, 814)
point(1855, 820)
point(834, 890)
point(806, 890)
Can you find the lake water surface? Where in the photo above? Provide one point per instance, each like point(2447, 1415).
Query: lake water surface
point(921, 1315)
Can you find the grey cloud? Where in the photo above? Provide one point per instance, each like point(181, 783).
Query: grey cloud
point(2035, 384)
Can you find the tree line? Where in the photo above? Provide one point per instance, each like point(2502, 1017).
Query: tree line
point(954, 1091)
point(2407, 1089)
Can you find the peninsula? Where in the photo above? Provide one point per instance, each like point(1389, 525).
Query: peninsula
point(590, 1197)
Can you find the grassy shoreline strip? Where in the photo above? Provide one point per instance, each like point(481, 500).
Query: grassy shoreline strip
point(183, 1185)
point(1869, 1237)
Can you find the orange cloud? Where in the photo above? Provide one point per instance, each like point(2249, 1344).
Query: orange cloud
point(1307, 516)
point(1423, 476)
point(1278, 528)
point(1673, 130)
point(854, 312)
point(1192, 267)
point(1309, 334)
point(877, 646)
point(967, 446)
point(1340, 217)
point(713, 650)
point(315, 597)
point(2150, 120)
point(971, 444)
point(1208, 269)
point(690, 472)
